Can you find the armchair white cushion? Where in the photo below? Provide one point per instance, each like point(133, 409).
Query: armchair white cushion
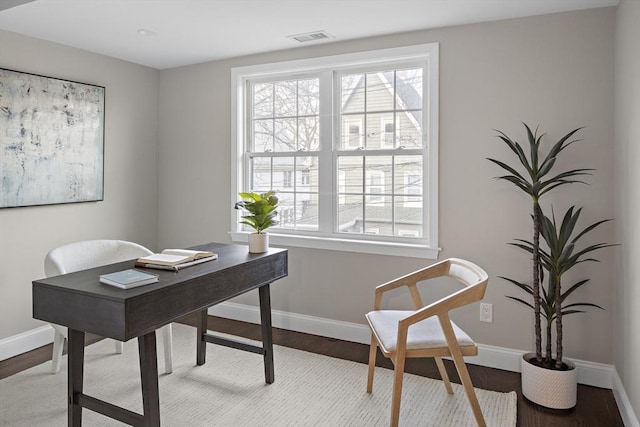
point(425, 334)
point(89, 254)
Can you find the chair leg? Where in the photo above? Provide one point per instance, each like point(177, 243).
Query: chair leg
point(444, 375)
point(167, 342)
point(56, 355)
point(398, 375)
point(372, 363)
point(468, 387)
point(119, 347)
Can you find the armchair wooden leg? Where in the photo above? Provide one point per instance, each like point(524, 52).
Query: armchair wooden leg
point(468, 388)
point(443, 375)
point(372, 363)
point(398, 375)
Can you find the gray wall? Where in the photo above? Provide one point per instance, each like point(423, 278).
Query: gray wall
point(555, 71)
point(129, 209)
point(627, 212)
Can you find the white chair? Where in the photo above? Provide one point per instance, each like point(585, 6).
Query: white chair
point(89, 254)
point(427, 331)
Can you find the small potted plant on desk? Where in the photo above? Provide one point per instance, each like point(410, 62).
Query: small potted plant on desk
point(260, 209)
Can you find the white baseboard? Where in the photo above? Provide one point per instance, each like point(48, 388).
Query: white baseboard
point(629, 417)
point(26, 341)
point(589, 373)
point(497, 357)
point(295, 322)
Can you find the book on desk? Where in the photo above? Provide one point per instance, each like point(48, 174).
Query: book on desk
point(175, 259)
point(128, 279)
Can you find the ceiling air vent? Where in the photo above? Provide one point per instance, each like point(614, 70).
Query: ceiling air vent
point(311, 37)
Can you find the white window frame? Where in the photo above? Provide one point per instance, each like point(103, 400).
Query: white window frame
point(428, 246)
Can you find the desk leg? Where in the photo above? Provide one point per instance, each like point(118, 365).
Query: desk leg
point(75, 375)
point(201, 331)
point(149, 378)
point(267, 335)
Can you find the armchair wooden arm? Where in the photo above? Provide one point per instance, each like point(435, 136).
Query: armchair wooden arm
point(445, 305)
point(410, 281)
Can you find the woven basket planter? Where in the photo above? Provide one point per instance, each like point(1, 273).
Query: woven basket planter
point(547, 387)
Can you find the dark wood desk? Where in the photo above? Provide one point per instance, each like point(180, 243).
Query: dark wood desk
point(83, 304)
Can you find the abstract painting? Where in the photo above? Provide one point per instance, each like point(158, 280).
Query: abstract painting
point(51, 140)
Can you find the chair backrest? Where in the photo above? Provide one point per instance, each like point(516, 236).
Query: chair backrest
point(474, 279)
point(89, 254)
point(469, 274)
point(466, 272)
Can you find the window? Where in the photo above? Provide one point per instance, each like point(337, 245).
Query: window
point(387, 127)
point(413, 184)
point(375, 187)
point(349, 143)
point(305, 178)
point(352, 132)
point(288, 179)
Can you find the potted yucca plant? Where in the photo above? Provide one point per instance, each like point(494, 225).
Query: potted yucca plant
point(542, 373)
point(260, 214)
point(558, 255)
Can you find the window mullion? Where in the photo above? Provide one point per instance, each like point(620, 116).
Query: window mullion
point(394, 230)
point(365, 127)
point(247, 140)
point(327, 184)
point(365, 184)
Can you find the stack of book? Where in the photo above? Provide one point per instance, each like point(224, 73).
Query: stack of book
point(175, 259)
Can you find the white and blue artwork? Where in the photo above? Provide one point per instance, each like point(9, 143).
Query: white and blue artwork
point(51, 140)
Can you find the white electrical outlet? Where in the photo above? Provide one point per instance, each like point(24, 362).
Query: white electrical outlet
point(486, 312)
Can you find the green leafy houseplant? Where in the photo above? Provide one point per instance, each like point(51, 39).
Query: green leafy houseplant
point(260, 209)
point(536, 180)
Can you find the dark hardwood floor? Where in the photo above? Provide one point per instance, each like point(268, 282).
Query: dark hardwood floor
point(596, 407)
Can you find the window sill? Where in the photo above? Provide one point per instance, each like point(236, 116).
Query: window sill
point(347, 245)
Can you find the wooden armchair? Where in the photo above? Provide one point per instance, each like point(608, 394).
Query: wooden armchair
point(432, 333)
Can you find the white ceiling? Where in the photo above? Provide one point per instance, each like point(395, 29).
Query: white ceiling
point(194, 31)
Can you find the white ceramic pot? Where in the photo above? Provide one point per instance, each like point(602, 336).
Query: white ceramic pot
point(258, 243)
point(547, 387)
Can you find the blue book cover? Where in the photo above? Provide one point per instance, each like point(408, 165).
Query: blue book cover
point(128, 278)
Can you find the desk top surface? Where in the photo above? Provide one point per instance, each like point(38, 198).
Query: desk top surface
point(88, 281)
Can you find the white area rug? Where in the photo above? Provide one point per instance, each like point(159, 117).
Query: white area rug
point(229, 390)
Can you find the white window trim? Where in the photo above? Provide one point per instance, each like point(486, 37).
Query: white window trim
point(240, 75)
